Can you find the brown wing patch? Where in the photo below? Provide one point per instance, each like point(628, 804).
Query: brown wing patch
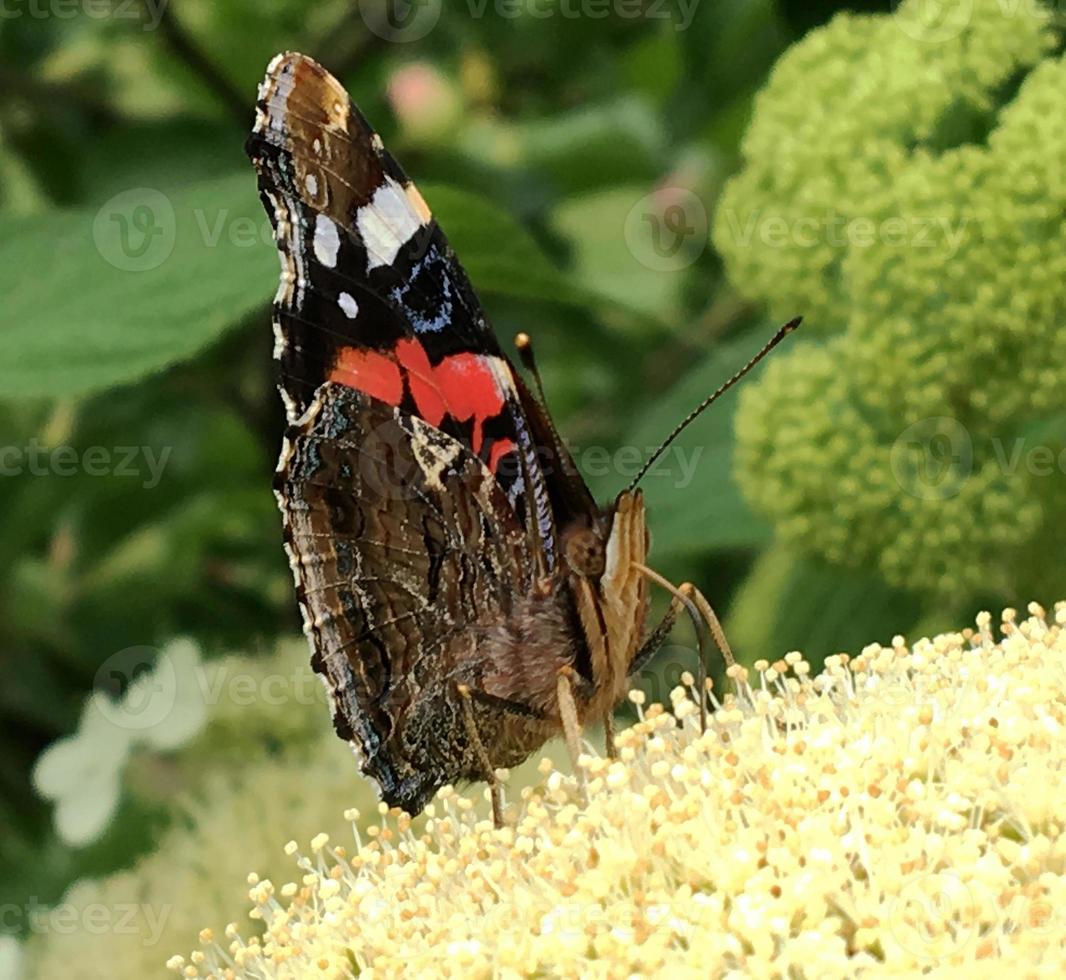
point(402, 543)
point(337, 158)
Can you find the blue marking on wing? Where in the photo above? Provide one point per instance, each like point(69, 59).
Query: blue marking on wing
point(432, 269)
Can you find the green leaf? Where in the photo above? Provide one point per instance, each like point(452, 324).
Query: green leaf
point(97, 298)
point(617, 249)
point(653, 65)
point(167, 153)
point(693, 504)
point(595, 146)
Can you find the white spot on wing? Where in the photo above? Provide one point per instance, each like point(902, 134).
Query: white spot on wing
point(290, 405)
point(327, 241)
point(283, 235)
point(296, 230)
point(289, 235)
point(307, 419)
point(285, 457)
point(387, 223)
point(501, 375)
point(418, 202)
point(434, 461)
point(275, 61)
point(311, 183)
point(348, 304)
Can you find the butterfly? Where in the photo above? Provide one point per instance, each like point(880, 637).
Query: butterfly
point(464, 596)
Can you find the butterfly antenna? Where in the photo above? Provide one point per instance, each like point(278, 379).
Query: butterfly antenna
point(569, 483)
point(711, 399)
point(524, 344)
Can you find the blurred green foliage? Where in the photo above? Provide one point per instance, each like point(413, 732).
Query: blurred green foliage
point(560, 154)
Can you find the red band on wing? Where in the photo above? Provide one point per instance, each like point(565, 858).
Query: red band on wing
point(430, 400)
point(500, 448)
point(463, 386)
point(471, 391)
point(369, 372)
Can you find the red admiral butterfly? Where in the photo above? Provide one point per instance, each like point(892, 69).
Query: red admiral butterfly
point(464, 596)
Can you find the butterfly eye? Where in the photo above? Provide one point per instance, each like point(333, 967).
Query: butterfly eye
point(584, 553)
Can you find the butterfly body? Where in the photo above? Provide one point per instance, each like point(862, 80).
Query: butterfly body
point(441, 537)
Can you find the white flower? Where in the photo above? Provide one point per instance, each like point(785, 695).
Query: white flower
point(167, 707)
point(82, 773)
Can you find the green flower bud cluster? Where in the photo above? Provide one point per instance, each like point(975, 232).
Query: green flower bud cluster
point(904, 187)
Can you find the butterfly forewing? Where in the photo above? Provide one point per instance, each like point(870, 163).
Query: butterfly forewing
point(424, 491)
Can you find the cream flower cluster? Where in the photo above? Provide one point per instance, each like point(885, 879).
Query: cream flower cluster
point(901, 812)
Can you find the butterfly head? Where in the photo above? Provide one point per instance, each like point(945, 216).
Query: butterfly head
point(585, 546)
point(604, 555)
point(593, 544)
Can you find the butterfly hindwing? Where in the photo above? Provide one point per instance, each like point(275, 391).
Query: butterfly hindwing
point(404, 545)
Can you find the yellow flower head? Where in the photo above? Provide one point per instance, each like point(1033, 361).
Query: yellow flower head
point(901, 812)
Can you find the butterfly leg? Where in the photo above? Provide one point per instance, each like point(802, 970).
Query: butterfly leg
point(718, 634)
point(655, 639)
point(608, 734)
point(566, 683)
point(687, 597)
point(710, 617)
point(714, 625)
point(652, 642)
point(495, 787)
point(571, 726)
